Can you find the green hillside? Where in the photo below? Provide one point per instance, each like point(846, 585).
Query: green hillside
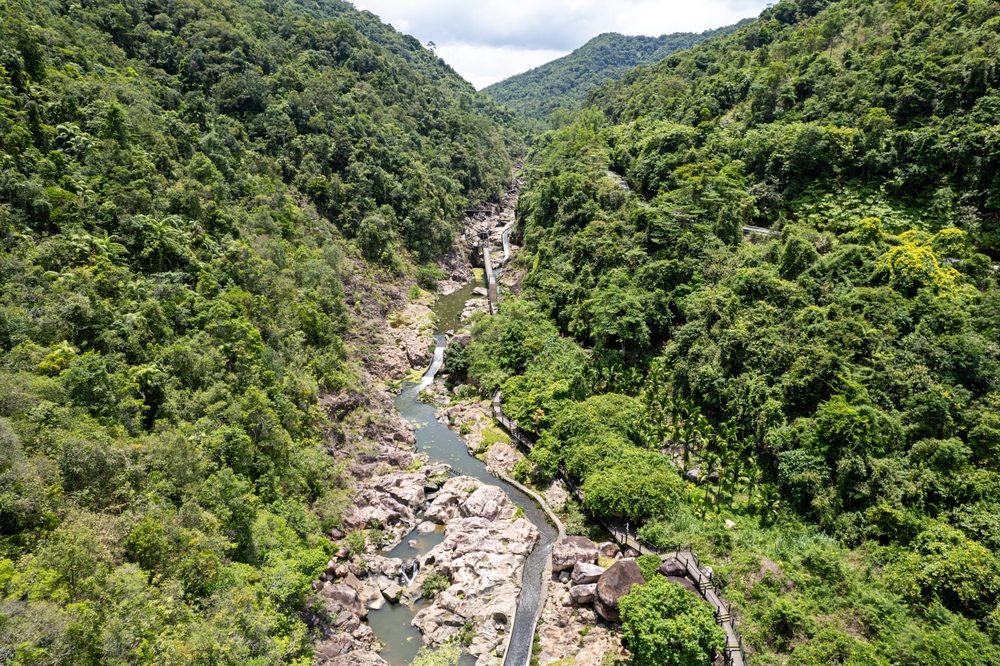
point(186, 187)
point(564, 83)
point(841, 377)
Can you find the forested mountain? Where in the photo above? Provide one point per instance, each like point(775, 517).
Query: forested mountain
point(185, 188)
point(840, 378)
point(565, 82)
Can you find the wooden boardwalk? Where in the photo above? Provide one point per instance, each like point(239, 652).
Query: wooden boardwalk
point(627, 538)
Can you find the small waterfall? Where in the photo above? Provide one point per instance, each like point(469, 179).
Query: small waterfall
point(506, 246)
point(435, 364)
point(411, 565)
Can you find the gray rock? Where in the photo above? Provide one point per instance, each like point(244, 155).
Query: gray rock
point(564, 577)
point(486, 502)
point(573, 549)
point(693, 475)
point(583, 594)
point(585, 574)
point(673, 567)
point(614, 584)
point(346, 597)
point(392, 592)
point(426, 527)
point(608, 549)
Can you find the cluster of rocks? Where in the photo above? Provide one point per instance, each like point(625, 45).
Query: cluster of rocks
point(482, 555)
point(575, 557)
point(581, 610)
point(354, 584)
point(393, 500)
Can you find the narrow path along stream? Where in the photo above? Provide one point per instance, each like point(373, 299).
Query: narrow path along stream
point(392, 623)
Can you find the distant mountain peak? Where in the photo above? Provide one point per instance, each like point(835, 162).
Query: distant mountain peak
point(566, 82)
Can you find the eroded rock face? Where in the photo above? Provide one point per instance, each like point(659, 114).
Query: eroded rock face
point(488, 502)
point(482, 554)
point(614, 584)
point(502, 458)
point(573, 549)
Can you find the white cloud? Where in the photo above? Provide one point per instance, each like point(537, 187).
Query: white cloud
point(482, 65)
point(488, 40)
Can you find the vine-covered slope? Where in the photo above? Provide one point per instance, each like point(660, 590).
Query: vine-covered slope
point(186, 187)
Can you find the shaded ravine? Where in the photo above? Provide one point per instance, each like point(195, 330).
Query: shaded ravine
point(443, 444)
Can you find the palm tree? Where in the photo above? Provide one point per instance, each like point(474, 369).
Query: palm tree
point(769, 503)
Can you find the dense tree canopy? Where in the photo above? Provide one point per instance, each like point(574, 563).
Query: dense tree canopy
point(836, 378)
point(185, 189)
point(562, 85)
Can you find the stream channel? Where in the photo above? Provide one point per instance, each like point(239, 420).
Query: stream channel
point(392, 623)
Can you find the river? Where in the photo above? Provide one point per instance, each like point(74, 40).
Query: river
point(441, 443)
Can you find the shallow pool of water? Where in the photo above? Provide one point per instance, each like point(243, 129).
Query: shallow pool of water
point(424, 542)
point(449, 308)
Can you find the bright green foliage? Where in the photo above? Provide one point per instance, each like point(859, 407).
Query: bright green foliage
point(185, 189)
point(648, 564)
point(447, 654)
point(560, 86)
point(664, 624)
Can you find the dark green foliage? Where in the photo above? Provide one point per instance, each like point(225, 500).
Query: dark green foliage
point(545, 95)
point(185, 189)
point(663, 623)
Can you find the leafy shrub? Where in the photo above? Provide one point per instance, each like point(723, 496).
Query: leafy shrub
point(433, 583)
point(428, 276)
point(664, 624)
point(648, 564)
point(357, 542)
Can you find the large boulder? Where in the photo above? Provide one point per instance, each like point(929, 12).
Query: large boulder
point(673, 567)
point(614, 584)
point(486, 502)
point(585, 574)
point(573, 549)
point(346, 596)
point(608, 549)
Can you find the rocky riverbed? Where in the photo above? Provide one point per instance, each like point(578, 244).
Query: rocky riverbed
point(485, 545)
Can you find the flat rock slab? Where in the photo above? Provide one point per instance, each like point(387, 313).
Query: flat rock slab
point(585, 574)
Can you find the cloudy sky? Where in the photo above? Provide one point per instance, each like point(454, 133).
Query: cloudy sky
point(489, 40)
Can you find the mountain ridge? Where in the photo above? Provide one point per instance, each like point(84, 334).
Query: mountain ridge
point(565, 82)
